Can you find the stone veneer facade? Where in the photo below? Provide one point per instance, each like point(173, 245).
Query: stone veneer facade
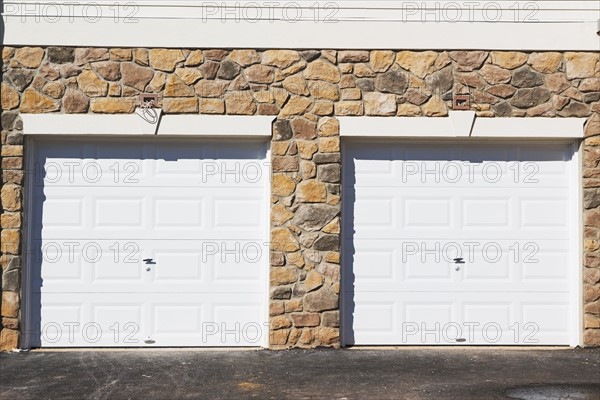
point(305, 90)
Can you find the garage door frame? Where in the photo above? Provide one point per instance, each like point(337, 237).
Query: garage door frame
point(51, 128)
point(402, 130)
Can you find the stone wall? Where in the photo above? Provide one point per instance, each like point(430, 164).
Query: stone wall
point(306, 90)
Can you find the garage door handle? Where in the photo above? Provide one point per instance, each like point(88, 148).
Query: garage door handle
point(458, 260)
point(149, 261)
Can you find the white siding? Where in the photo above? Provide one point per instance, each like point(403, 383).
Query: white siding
point(528, 25)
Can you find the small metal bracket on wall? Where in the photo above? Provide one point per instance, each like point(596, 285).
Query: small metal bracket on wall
point(148, 108)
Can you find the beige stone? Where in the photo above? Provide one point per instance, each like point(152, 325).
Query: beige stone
point(10, 240)
point(75, 102)
point(180, 105)
point(582, 65)
point(322, 70)
point(10, 97)
point(263, 96)
point(495, 75)
point(346, 68)
point(279, 337)
point(280, 58)
point(306, 148)
point(379, 103)
point(508, 59)
point(165, 59)
point(12, 150)
point(547, 62)
point(212, 106)
point(138, 77)
point(9, 339)
point(280, 322)
point(189, 75)
point(175, 87)
point(293, 305)
point(114, 89)
point(344, 108)
point(109, 70)
point(140, 56)
point(194, 59)
point(282, 185)
point(324, 90)
point(280, 215)
point(332, 257)
point(296, 105)
point(85, 55)
point(329, 144)
point(7, 53)
point(244, 57)
point(283, 240)
point(10, 220)
point(363, 71)
point(311, 191)
point(29, 57)
point(240, 103)
point(351, 94)
point(591, 321)
point(208, 88)
point(328, 126)
point(284, 164)
point(283, 276)
point(259, 73)
point(121, 54)
point(323, 108)
point(435, 107)
point(308, 169)
point(333, 226)
point(35, 102)
point(382, 60)
point(296, 85)
point(297, 67)
point(276, 308)
point(279, 148)
point(113, 105)
point(328, 336)
point(556, 82)
point(306, 319)
point(418, 62)
point(91, 84)
point(54, 89)
point(296, 259)
point(11, 197)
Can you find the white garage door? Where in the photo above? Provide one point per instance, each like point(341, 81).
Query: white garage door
point(460, 243)
point(149, 244)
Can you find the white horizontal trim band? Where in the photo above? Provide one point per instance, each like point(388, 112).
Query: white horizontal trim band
point(133, 124)
point(461, 124)
point(189, 33)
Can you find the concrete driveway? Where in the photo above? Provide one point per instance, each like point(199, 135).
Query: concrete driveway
point(410, 373)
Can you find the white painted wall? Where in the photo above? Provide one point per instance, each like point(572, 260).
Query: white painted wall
point(526, 25)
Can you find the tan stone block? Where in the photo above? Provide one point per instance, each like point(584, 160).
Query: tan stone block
point(283, 276)
point(591, 292)
point(547, 62)
point(54, 89)
point(363, 71)
point(188, 75)
point(591, 337)
point(508, 59)
point(165, 59)
point(332, 257)
point(382, 60)
point(121, 54)
point(311, 191)
point(279, 148)
point(313, 281)
point(323, 108)
point(346, 68)
point(9, 96)
point(293, 305)
point(12, 150)
point(296, 105)
point(380, 104)
point(306, 149)
point(259, 73)
point(280, 58)
point(280, 215)
point(240, 103)
point(306, 319)
point(10, 220)
point(180, 105)
point(329, 144)
point(138, 77)
point(11, 241)
point(296, 85)
point(282, 185)
point(263, 96)
point(283, 240)
point(37, 103)
point(308, 169)
point(11, 197)
point(299, 66)
point(326, 336)
point(140, 56)
point(280, 322)
point(113, 105)
point(7, 53)
point(591, 321)
point(419, 63)
point(91, 84)
point(114, 89)
point(284, 164)
point(495, 75)
point(333, 226)
point(435, 107)
point(344, 108)
point(276, 308)
point(175, 87)
point(590, 85)
point(194, 59)
point(29, 57)
point(10, 323)
point(9, 339)
point(10, 304)
point(279, 337)
point(324, 90)
point(244, 57)
point(582, 65)
point(351, 94)
point(328, 126)
point(9, 163)
point(322, 70)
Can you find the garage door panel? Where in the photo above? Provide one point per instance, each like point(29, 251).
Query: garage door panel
point(492, 243)
point(153, 257)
